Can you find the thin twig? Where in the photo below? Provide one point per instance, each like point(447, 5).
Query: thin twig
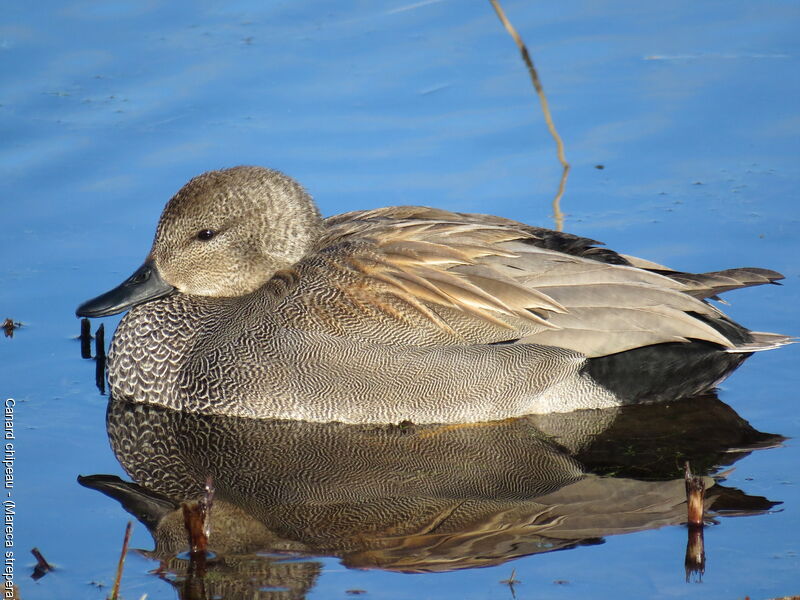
point(537, 84)
point(511, 582)
point(121, 563)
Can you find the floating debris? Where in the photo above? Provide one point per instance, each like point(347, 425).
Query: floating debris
point(9, 325)
point(42, 567)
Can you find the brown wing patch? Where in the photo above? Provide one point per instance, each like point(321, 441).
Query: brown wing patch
point(414, 275)
point(416, 260)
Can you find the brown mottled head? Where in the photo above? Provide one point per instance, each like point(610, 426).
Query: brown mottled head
point(226, 232)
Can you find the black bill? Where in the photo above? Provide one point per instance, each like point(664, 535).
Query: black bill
point(144, 285)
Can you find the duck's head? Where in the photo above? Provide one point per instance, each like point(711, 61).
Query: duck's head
point(225, 233)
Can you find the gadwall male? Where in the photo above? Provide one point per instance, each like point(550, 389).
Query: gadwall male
point(251, 304)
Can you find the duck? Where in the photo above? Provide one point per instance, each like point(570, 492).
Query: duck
point(251, 304)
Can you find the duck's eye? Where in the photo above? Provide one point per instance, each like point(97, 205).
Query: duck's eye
point(205, 234)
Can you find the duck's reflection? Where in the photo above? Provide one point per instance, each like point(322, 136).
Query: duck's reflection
point(415, 498)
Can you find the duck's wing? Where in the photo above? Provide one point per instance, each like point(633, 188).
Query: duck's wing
point(423, 276)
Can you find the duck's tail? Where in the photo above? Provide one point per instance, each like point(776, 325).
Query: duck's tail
point(709, 285)
point(762, 340)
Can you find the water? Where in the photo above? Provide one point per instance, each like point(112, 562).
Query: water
point(107, 109)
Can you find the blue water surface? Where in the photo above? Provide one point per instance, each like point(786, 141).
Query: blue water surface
point(107, 108)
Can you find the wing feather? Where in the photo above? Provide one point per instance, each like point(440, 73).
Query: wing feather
point(422, 276)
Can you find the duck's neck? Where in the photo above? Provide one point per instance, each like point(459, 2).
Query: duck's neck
point(293, 237)
point(294, 225)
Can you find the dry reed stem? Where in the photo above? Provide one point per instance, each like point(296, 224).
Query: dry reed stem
point(511, 582)
point(695, 494)
point(121, 563)
point(695, 561)
point(194, 521)
point(537, 84)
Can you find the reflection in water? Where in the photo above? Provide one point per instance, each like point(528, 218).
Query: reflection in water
point(85, 338)
point(416, 498)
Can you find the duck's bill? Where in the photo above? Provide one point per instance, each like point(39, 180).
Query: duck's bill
point(144, 285)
